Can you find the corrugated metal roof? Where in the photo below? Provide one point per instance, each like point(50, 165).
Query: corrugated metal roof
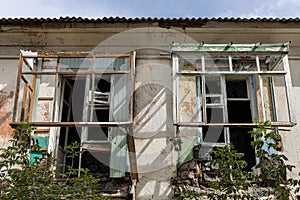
point(136, 20)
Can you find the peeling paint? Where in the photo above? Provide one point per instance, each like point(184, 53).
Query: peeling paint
point(47, 113)
point(6, 106)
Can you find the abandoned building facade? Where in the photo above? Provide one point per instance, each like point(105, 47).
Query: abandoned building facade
point(145, 97)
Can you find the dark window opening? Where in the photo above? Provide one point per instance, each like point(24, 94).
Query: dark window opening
point(68, 135)
point(91, 161)
point(236, 89)
point(238, 106)
point(213, 134)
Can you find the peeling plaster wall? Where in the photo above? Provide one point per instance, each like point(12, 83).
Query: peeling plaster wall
point(8, 74)
point(291, 139)
point(153, 127)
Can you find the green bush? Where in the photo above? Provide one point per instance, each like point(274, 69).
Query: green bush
point(21, 179)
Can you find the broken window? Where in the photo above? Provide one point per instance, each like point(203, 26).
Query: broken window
point(221, 90)
point(80, 97)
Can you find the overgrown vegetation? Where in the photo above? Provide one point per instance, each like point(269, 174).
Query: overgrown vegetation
point(234, 182)
point(273, 165)
point(232, 179)
point(21, 179)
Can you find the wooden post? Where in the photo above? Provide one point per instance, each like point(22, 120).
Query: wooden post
point(132, 154)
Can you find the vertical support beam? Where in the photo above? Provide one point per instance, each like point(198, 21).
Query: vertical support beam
point(85, 118)
point(15, 109)
point(55, 131)
point(175, 89)
point(225, 110)
point(85, 113)
point(56, 93)
point(37, 67)
point(203, 90)
point(33, 93)
point(288, 87)
point(132, 154)
point(92, 89)
point(132, 84)
point(261, 87)
point(23, 111)
point(198, 67)
point(254, 98)
point(273, 99)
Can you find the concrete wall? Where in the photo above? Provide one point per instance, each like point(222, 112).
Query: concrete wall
point(153, 107)
point(8, 76)
point(153, 127)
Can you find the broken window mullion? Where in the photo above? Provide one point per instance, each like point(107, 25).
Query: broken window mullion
point(56, 110)
point(92, 89)
point(225, 112)
point(204, 98)
point(288, 87)
point(132, 70)
point(175, 89)
point(56, 92)
point(85, 112)
point(230, 63)
point(203, 93)
point(273, 99)
point(32, 96)
point(261, 87)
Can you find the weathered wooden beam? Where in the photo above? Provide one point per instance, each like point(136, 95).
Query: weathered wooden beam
point(16, 99)
point(263, 73)
point(45, 98)
point(76, 73)
point(74, 124)
point(132, 154)
point(246, 125)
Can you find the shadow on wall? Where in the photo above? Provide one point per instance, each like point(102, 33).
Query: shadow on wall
point(153, 127)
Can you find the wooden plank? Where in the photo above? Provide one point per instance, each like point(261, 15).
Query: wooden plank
point(250, 125)
point(22, 118)
point(132, 154)
point(39, 130)
point(77, 73)
point(75, 124)
point(261, 88)
point(15, 108)
point(45, 98)
point(111, 55)
point(132, 83)
point(40, 149)
point(263, 73)
point(74, 54)
point(288, 88)
point(31, 102)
